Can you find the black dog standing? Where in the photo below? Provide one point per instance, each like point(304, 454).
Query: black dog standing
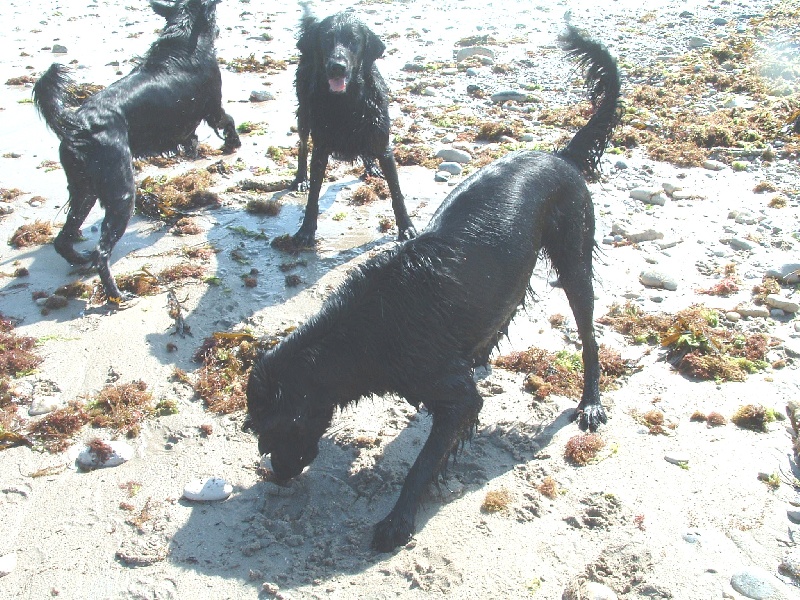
point(343, 104)
point(417, 319)
point(153, 110)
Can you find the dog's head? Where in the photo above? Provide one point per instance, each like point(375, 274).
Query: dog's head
point(288, 414)
point(343, 47)
point(184, 15)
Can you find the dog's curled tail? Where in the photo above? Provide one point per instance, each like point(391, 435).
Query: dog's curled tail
point(603, 84)
point(308, 10)
point(51, 95)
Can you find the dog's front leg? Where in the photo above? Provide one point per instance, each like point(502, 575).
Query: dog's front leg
point(455, 404)
point(300, 183)
point(405, 228)
point(304, 237)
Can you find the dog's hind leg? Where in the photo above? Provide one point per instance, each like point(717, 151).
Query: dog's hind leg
point(370, 168)
point(454, 403)
point(300, 183)
point(81, 201)
point(571, 255)
point(405, 228)
point(307, 232)
point(117, 195)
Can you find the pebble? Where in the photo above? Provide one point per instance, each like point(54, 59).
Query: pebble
point(792, 346)
point(753, 583)
point(752, 311)
point(210, 489)
point(505, 96)
point(740, 244)
point(42, 405)
point(696, 41)
point(527, 137)
point(649, 195)
point(451, 167)
point(692, 537)
point(261, 96)
point(782, 303)
point(733, 316)
point(790, 274)
point(453, 155)
point(429, 91)
point(794, 516)
point(677, 459)
point(470, 51)
point(59, 49)
point(713, 165)
point(8, 563)
point(658, 279)
point(121, 452)
point(442, 176)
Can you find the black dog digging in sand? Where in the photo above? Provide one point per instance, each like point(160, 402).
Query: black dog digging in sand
point(153, 110)
point(343, 104)
point(417, 319)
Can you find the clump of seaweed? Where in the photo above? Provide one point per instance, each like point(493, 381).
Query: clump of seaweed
point(259, 206)
point(186, 226)
point(415, 155)
point(753, 417)
point(32, 234)
point(696, 343)
point(55, 430)
point(363, 195)
point(286, 243)
point(715, 419)
point(724, 287)
point(75, 289)
point(654, 420)
point(162, 197)
point(8, 194)
point(222, 380)
point(250, 64)
point(496, 501)
point(548, 488)
point(560, 372)
point(495, 131)
point(583, 448)
point(121, 407)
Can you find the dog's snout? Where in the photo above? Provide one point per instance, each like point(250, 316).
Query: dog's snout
point(337, 68)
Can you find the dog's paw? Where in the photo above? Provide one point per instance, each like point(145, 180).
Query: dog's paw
point(303, 239)
point(299, 185)
point(392, 532)
point(406, 233)
point(231, 144)
point(121, 301)
point(590, 417)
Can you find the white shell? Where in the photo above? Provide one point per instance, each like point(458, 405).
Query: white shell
point(209, 489)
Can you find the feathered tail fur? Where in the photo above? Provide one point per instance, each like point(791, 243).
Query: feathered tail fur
point(603, 85)
point(51, 95)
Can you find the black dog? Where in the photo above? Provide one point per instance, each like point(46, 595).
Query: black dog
point(153, 110)
point(416, 320)
point(343, 103)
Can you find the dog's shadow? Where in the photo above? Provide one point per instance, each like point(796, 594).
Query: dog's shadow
point(319, 527)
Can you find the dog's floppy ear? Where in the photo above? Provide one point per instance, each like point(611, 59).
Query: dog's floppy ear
point(163, 8)
point(373, 47)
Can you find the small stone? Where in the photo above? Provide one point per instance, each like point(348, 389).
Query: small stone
point(442, 177)
point(8, 563)
point(794, 516)
point(261, 96)
point(733, 316)
point(741, 244)
point(649, 195)
point(753, 583)
point(429, 91)
point(270, 588)
point(42, 405)
point(470, 51)
point(752, 311)
point(647, 235)
point(505, 96)
point(210, 489)
point(696, 41)
point(692, 537)
point(454, 155)
point(677, 459)
point(6, 209)
point(119, 453)
point(790, 274)
point(784, 304)
point(670, 187)
point(658, 279)
point(713, 165)
point(59, 49)
point(451, 167)
point(527, 137)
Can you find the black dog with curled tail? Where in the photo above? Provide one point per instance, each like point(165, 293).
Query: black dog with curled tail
point(343, 104)
point(155, 109)
point(417, 319)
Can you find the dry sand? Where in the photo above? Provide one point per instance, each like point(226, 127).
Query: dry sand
point(644, 526)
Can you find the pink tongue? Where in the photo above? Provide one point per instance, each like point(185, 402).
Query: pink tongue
point(337, 85)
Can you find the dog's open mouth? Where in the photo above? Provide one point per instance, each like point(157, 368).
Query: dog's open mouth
point(337, 84)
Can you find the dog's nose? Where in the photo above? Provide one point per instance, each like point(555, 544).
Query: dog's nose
point(336, 68)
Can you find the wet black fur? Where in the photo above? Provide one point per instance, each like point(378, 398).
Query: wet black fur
point(345, 125)
point(417, 319)
point(155, 109)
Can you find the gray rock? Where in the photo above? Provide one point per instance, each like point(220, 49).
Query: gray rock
point(676, 458)
point(649, 195)
point(794, 516)
point(6, 209)
point(621, 165)
point(442, 176)
point(658, 279)
point(527, 137)
point(741, 244)
point(429, 91)
point(752, 311)
point(733, 316)
point(713, 165)
point(753, 583)
point(451, 167)
point(454, 155)
point(504, 96)
point(470, 51)
point(261, 96)
point(648, 235)
point(696, 41)
point(790, 273)
point(777, 301)
point(59, 49)
point(791, 346)
point(670, 187)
